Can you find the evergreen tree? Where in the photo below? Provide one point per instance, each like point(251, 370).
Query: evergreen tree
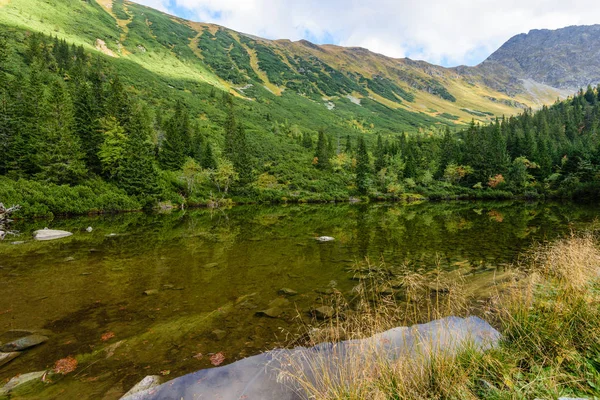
point(363, 167)
point(176, 145)
point(236, 146)
point(307, 140)
point(59, 155)
point(379, 155)
point(348, 148)
point(322, 152)
point(86, 125)
point(209, 160)
point(137, 174)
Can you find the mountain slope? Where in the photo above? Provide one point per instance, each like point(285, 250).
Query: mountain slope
point(330, 75)
point(543, 63)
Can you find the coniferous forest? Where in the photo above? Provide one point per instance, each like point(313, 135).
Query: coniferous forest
point(76, 138)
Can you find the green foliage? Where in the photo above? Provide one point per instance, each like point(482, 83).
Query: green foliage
point(59, 156)
point(363, 167)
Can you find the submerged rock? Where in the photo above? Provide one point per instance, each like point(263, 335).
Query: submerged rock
point(263, 376)
point(50, 234)
point(150, 292)
point(19, 382)
point(219, 334)
point(23, 343)
point(287, 292)
point(5, 358)
point(272, 312)
point(143, 387)
point(323, 312)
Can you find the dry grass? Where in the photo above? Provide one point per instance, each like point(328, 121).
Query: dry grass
point(549, 316)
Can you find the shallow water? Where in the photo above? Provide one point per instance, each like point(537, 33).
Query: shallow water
point(214, 270)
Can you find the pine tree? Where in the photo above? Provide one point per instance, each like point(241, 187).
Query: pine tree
point(59, 156)
point(307, 140)
point(86, 125)
point(348, 148)
point(363, 167)
point(197, 146)
point(138, 175)
point(379, 155)
point(322, 152)
point(209, 160)
point(176, 146)
point(236, 146)
point(241, 159)
point(118, 102)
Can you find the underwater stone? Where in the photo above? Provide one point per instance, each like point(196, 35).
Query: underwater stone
point(23, 343)
point(272, 312)
point(7, 357)
point(323, 312)
point(20, 381)
point(287, 292)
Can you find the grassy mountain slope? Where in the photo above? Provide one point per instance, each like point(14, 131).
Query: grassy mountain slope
point(253, 68)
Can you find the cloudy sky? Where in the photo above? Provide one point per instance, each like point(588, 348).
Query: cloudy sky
point(446, 32)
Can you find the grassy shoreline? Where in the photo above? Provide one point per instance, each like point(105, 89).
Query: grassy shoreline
point(548, 312)
point(38, 199)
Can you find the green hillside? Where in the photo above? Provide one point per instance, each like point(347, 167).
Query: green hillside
point(112, 106)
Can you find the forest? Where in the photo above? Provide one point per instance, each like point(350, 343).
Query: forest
point(76, 138)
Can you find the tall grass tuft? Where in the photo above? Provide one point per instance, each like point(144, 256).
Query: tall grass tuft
point(548, 315)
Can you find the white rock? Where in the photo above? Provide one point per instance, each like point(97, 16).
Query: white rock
point(325, 239)
point(50, 234)
point(142, 387)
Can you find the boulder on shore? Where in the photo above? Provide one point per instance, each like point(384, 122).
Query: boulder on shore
point(50, 234)
point(260, 376)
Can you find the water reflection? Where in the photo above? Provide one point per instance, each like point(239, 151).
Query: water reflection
point(213, 270)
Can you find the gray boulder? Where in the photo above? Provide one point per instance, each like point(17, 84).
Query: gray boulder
point(263, 376)
point(50, 234)
point(143, 388)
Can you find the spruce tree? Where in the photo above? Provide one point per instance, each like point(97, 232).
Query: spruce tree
point(348, 148)
point(59, 156)
point(379, 155)
point(138, 175)
point(363, 167)
point(209, 160)
point(86, 125)
point(322, 152)
point(176, 146)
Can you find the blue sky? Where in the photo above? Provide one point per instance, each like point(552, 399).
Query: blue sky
point(445, 32)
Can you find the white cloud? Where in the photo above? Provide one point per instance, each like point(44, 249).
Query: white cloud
point(448, 32)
